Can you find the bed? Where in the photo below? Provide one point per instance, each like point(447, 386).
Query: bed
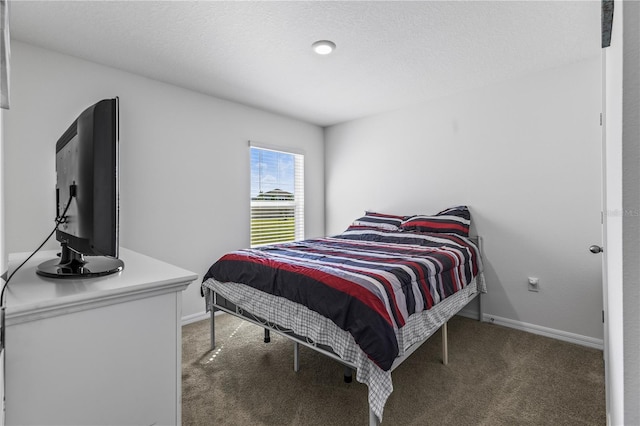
point(368, 297)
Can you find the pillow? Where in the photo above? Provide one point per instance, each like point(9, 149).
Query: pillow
point(455, 220)
point(388, 222)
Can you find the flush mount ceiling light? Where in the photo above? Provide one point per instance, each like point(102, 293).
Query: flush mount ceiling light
point(323, 47)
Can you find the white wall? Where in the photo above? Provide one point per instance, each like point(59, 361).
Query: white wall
point(525, 157)
point(184, 176)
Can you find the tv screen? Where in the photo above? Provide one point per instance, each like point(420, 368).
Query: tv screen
point(87, 195)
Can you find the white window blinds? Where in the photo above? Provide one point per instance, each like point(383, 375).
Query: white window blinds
point(277, 196)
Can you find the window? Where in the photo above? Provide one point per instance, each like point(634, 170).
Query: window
point(277, 196)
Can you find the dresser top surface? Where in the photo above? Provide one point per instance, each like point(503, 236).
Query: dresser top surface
point(29, 292)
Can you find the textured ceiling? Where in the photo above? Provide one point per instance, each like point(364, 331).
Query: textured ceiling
point(389, 54)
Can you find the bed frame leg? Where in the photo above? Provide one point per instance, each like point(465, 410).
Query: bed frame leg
point(480, 308)
point(445, 348)
point(373, 419)
point(267, 336)
point(213, 327)
point(348, 374)
point(296, 356)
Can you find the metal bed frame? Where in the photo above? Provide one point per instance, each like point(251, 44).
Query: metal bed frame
point(216, 301)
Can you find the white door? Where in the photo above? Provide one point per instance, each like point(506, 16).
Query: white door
point(612, 222)
point(597, 249)
point(3, 261)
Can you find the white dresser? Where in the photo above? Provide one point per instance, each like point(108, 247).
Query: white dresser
point(95, 351)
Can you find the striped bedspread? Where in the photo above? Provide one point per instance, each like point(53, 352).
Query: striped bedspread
point(367, 281)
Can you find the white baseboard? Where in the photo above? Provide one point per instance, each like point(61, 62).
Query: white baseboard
point(188, 319)
point(468, 314)
point(518, 325)
point(565, 336)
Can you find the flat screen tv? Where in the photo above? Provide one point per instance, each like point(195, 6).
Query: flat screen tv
point(87, 196)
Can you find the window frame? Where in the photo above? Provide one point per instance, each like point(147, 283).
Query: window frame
point(297, 203)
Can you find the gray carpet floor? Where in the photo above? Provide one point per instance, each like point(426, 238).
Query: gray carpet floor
point(495, 376)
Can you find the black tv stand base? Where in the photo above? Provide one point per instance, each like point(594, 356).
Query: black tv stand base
point(75, 265)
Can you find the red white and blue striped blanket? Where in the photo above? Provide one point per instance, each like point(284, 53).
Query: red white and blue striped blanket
point(367, 281)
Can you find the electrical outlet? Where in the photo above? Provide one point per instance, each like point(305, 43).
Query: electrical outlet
point(534, 284)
